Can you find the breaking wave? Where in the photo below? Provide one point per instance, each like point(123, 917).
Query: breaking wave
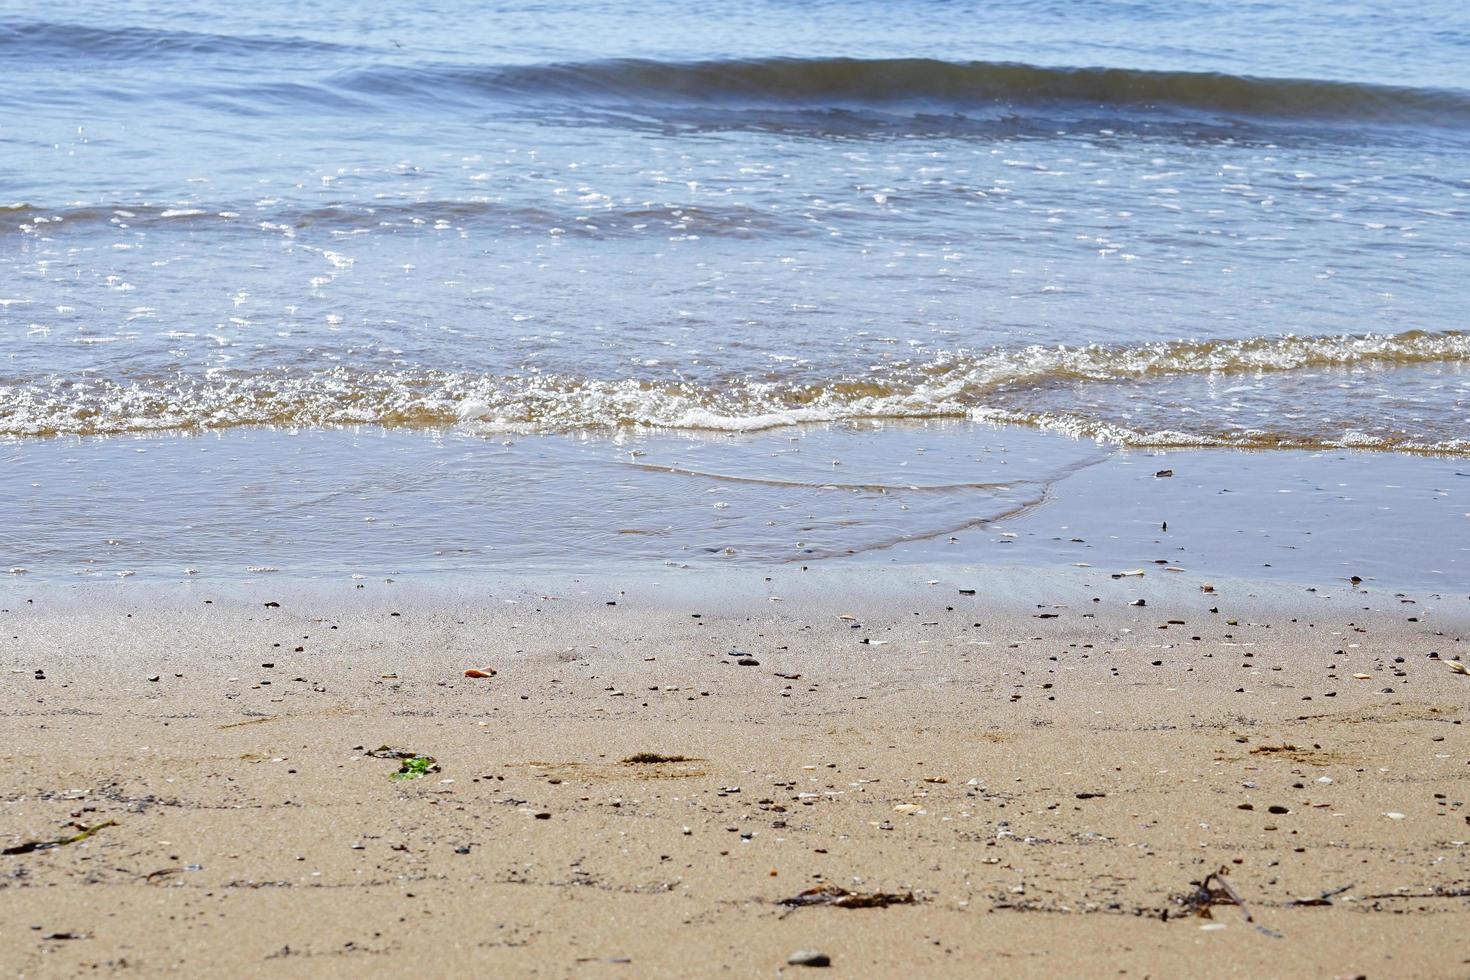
point(986, 386)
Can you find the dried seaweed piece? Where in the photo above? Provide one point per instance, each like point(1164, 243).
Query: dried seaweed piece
point(387, 752)
point(1204, 897)
point(844, 899)
point(651, 758)
point(1200, 901)
point(31, 846)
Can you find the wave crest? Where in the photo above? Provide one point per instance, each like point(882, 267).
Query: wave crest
point(878, 83)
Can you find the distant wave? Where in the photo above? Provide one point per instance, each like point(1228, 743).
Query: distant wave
point(977, 88)
point(960, 86)
point(610, 222)
point(45, 39)
point(985, 385)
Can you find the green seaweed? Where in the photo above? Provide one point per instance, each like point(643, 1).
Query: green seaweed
point(45, 845)
point(416, 767)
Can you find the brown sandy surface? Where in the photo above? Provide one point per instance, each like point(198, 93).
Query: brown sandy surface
point(1050, 783)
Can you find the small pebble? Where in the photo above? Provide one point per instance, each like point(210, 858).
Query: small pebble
point(809, 957)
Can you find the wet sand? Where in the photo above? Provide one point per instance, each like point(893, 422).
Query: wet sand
point(1049, 778)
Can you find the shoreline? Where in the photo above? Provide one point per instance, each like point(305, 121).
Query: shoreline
point(374, 504)
point(1046, 784)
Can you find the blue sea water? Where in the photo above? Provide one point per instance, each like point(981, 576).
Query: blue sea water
point(1120, 226)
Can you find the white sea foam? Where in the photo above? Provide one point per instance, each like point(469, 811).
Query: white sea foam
point(999, 385)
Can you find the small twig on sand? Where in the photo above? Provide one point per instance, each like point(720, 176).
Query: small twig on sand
point(1439, 891)
point(1323, 899)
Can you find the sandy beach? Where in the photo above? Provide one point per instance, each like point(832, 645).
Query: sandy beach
point(1006, 776)
point(677, 489)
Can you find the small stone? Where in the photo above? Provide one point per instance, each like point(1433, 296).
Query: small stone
point(809, 957)
point(748, 662)
point(477, 672)
point(1277, 809)
point(153, 678)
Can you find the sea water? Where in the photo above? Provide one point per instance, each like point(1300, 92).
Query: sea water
point(546, 284)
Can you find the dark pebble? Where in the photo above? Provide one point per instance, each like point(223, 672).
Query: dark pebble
point(809, 957)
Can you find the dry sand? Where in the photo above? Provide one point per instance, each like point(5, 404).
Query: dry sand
point(1050, 783)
